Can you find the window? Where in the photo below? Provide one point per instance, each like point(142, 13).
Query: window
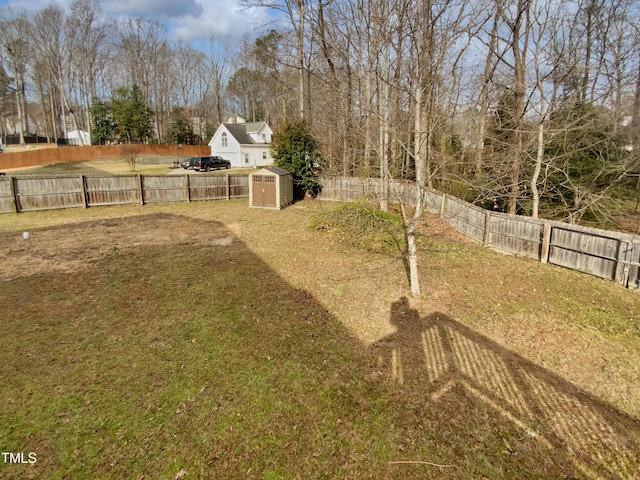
point(246, 158)
point(224, 140)
point(264, 155)
point(264, 137)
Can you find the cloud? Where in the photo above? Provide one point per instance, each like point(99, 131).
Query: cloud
point(190, 20)
point(223, 19)
point(169, 9)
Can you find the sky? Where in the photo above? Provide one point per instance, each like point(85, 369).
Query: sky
point(190, 20)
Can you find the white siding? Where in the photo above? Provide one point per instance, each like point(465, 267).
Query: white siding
point(231, 152)
point(243, 155)
point(255, 154)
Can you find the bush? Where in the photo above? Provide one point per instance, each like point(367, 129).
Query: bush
point(363, 226)
point(296, 150)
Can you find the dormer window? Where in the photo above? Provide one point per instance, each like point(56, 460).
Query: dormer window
point(224, 140)
point(264, 137)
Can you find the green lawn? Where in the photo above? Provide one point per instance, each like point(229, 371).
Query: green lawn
point(209, 340)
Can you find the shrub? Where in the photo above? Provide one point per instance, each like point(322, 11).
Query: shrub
point(363, 226)
point(296, 150)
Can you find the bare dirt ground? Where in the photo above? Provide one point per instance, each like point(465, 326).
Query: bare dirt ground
point(65, 249)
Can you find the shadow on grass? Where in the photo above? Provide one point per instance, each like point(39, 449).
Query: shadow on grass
point(191, 354)
point(438, 360)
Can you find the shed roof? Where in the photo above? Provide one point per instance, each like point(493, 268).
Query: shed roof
point(274, 170)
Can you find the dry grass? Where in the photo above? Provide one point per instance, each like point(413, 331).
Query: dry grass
point(236, 343)
point(112, 166)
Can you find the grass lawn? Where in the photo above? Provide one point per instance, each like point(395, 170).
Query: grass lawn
point(110, 166)
point(210, 340)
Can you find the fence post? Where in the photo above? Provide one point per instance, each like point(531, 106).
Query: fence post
point(14, 196)
point(84, 191)
point(228, 184)
point(546, 243)
point(487, 228)
point(444, 200)
point(188, 187)
point(140, 192)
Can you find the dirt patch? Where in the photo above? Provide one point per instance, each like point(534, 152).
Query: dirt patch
point(69, 248)
point(434, 226)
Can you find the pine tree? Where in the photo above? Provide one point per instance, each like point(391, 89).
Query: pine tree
point(101, 122)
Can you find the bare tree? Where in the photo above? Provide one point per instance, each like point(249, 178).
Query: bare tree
point(87, 31)
point(53, 47)
point(14, 35)
point(296, 11)
point(217, 73)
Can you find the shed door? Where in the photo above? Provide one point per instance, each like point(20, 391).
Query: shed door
point(269, 191)
point(264, 191)
point(258, 191)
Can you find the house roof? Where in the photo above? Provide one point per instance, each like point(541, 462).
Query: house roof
point(241, 131)
point(254, 127)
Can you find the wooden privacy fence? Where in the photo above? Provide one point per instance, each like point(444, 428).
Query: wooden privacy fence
point(603, 253)
point(30, 193)
point(77, 154)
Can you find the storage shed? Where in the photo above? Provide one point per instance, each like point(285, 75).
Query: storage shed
point(271, 187)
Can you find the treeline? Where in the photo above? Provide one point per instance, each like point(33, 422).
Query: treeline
point(57, 65)
point(524, 106)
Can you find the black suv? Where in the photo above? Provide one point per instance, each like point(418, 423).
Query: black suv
point(210, 163)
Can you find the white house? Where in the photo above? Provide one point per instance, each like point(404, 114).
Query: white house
point(243, 144)
point(78, 137)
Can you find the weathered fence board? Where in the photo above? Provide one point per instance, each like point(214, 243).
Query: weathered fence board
point(47, 193)
point(238, 186)
point(585, 252)
point(600, 267)
point(21, 194)
point(585, 243)
point(57, 154)
point(633, 279)
point(110, 190)
point(6, 195)
point(433, 201)
point(511, 235)
point(406, 192)
point(207, 187)
point(164, 188)
point(468, 220)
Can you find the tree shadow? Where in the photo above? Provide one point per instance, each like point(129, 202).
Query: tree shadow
point(440, 362)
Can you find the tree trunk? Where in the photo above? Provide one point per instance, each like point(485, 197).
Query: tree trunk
point(519, 46)
point(635, 118)
point(20, 115)
point(484, 97)
point(300, 60)
point(412, 250)
point(536, 173)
